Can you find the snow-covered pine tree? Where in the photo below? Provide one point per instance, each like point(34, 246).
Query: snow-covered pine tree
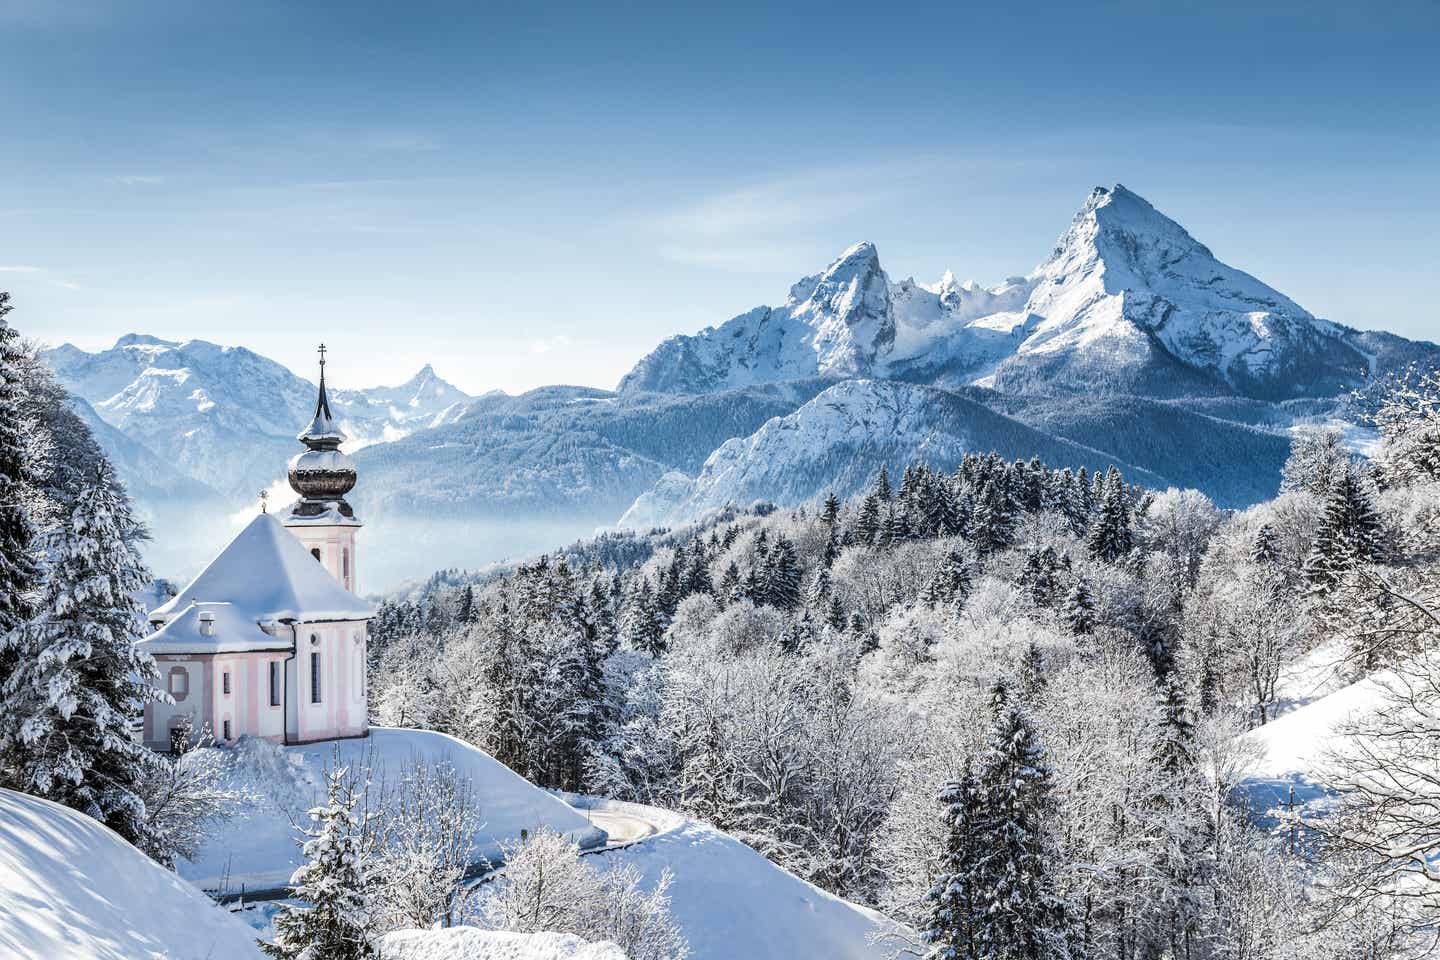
point(883, 491)
point(1264, 551)
point(1111, 537)
point(1317, 459)
point(19, 569)
point(78, 681)
point(992, 527)
point(782, 576)
point(1031, 681)
point(951, 581)
point(831, 513)
point(867, 525)
point(1021, 914)
point(1350, 533)
point(952, 906)
point(729, 590)
point(336, 922)
point(641, 625)
point(1079, 610)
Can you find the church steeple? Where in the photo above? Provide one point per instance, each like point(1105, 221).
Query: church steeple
point(322, 475)
point(322, 434)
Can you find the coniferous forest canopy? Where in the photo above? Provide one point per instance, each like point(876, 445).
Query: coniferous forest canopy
point(1005, 705)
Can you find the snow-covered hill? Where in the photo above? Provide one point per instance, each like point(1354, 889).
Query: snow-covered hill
point(256, 848)
point(71, 889)
point(1127, 302)
point(837, 441)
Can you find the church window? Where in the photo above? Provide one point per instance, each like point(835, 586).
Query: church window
point(315, 677)
point(315, 552)
point(226, 734)
point(179, 683)
point(274, 683)
point(225, 684)
point(345, 565)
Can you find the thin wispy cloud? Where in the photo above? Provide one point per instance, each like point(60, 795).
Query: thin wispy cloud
point(754, 226)
point(40, 273)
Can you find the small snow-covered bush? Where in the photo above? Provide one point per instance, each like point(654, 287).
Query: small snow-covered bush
point(547, 886)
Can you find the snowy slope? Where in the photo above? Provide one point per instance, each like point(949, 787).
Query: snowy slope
point(838, 441)
point(256, 849)
point(70, 889)
point(732, 903)
point(471, 943)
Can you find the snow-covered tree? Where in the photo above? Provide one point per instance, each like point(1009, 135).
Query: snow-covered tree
point(335, 919)
point(19, 568)
point(426, 840)
point(1111, 536)
point(1317, 460)
point(78, 681)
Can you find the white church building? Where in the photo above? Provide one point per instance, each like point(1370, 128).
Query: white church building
point(270, 639)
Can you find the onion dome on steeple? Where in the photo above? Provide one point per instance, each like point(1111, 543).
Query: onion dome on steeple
point(322, 475)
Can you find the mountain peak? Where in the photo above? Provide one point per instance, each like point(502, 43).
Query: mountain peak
point(143, 339)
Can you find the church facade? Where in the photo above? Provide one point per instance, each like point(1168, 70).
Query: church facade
point(269, 640)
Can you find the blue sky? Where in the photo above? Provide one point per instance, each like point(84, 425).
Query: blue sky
point(528, 194)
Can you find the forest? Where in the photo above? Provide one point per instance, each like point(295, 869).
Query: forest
point(1003, 685)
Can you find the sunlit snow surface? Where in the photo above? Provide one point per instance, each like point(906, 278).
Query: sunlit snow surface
point(70, 889)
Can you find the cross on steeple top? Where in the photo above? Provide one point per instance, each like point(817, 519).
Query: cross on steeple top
point(322, 354)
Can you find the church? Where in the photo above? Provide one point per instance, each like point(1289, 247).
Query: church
point(269, 640)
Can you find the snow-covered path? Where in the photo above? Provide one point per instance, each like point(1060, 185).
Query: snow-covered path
point(729, 900)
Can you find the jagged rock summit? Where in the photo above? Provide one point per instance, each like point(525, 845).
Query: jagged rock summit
point(1127, 302)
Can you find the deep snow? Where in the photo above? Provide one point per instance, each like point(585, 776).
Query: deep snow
point(71, 889)
point(732, 903)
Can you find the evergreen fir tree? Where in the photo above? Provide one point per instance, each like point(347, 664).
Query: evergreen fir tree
point(465, 607)
point(882, 485)
point(1079, 611)
point(697, 579)
point(1032, 674)
point(1021, 915)
point(782, 576)
point(641, 625)
point(336, 921)
point(952, 907)
point(78, 681)
point(730, 584)
point(19, 569)
point(867, 525)
point(951, 581)
point(1264, 551)
point(1350, 533)
point(831, 513)
point(993, 525)
point(835, 617)
point(1111, 537)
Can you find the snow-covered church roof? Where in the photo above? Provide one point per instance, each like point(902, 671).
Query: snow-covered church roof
point(266, 575)
point(213, 628)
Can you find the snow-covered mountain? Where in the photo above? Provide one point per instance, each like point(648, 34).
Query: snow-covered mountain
point(226, 417)
point(1127, 302)
point(837, 441)
point(848, 321)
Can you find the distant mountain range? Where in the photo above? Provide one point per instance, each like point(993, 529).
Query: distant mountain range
point(1129, 344)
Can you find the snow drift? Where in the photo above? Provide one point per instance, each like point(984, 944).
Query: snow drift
point(71, 888)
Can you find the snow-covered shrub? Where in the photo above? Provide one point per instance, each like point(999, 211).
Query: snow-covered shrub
point(548, 886)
